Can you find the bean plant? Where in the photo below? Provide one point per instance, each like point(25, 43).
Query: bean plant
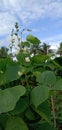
point(29, 87)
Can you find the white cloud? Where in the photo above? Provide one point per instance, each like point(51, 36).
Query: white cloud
point(27, 11)
point(33, 9)
point(6, 22)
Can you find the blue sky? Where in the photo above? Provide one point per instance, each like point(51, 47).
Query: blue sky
point(43, 17)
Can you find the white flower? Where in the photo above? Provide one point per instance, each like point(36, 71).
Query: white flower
point(1, 72)
point(20, 73)
point(27, 59)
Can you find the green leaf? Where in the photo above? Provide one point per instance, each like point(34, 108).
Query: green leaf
point(12, 72)
point(47, 78)
point(8, 71)
point(21, 106)
point(3, 78)
point(39, 95)
point(16, 123)
point(33, 39)
point(3, 119)
point(45, 113)
point(0, 128)
point(27, 44)
point(45, 126)
point(39, 58)
point(58, 85)
point(4, 62)
point(30, 114)
point(9, 97)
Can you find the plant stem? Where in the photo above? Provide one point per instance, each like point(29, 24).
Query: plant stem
point(26, 80)
point(53, 111)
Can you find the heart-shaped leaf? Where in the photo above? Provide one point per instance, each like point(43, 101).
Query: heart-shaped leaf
point(9, 97)
point(47, 78)
point(39, 95)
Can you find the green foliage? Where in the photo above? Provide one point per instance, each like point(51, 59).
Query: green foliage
point(44, 126)
point(39, 58)
point(26, 86)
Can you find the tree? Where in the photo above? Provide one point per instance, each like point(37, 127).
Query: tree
point(45, 48)
point(60, 49)
point(3, 52)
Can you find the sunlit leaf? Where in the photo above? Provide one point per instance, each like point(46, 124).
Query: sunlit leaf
point(33, 39)
point(12, 72)
point(9, 97)
point(39, 94)
point(58, 85)
point(47, 78)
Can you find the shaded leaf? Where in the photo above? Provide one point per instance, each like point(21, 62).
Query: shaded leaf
point(31, 115)
point(0, 128)
point(27, 44)
point(45, 113)
point(21, 106)
point(3, 119)
point(16, 123)
point(45, 126)
point(3, 78)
